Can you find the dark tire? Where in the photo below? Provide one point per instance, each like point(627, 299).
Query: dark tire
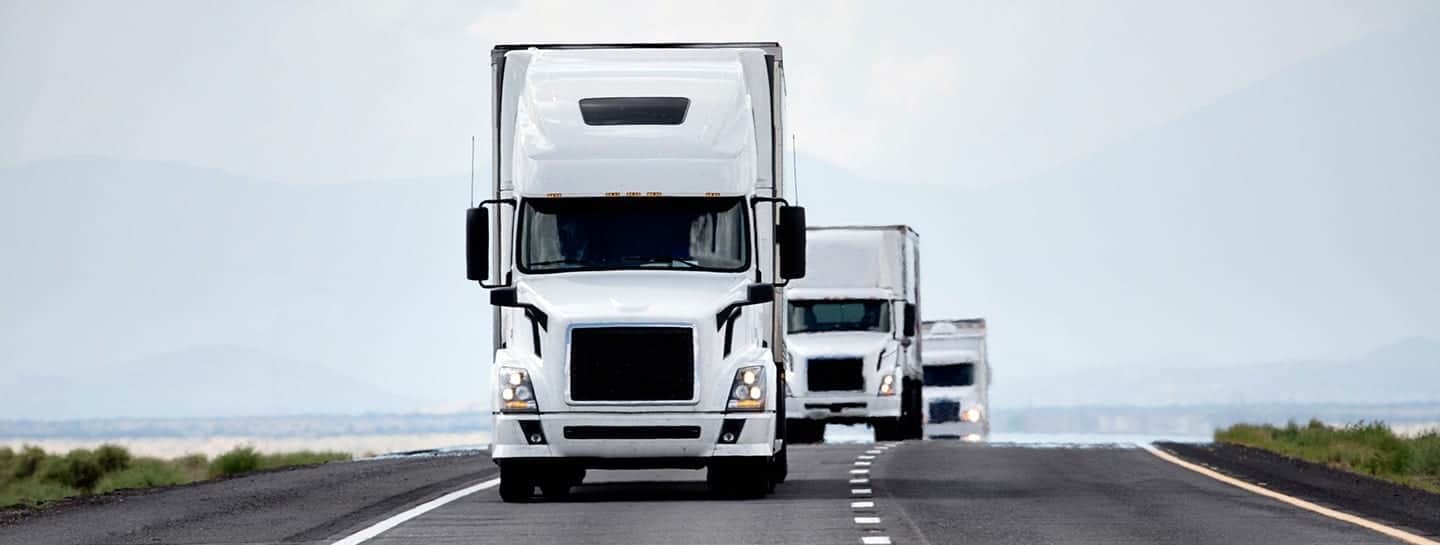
point(887, 429)
point(803, 432)
point(739, 481)
point(779, 467)
point(915, 420)
point(555, 489)
point(516, 484)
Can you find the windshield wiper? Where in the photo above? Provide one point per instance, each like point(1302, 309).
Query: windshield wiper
point(562, 261)
point(657, 259)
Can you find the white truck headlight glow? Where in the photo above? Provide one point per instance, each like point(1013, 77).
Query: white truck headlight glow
point(517, 395)
point(748, 391)
point(970, 415)
point(887, 385)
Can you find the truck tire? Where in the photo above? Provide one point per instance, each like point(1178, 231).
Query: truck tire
point(516, 484)
point(803, 432)
point(914, 416)
point(887, 429)
point(779, 467)
point(740, 480)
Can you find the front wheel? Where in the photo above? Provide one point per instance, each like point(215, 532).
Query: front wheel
point(801, 432)
point(914, 415)
point(779, 467)
point(747, 480)
point(516, 484)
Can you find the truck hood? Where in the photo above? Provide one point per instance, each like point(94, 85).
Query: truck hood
point(838, 343)
point(633, 296)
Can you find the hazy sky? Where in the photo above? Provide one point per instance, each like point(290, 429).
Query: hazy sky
point(955, 93)
point(1113, 183)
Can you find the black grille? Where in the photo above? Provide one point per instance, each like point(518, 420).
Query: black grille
point(835, 375)
point(632, 432)
point(632, 364)
point(944, 411)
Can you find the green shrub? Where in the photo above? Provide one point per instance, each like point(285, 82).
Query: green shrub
point(112, 458)
point(33, 492)
point(27, 462)
point(238, 460)
point(144, 473)
point(78, 470)
point(1364, 447)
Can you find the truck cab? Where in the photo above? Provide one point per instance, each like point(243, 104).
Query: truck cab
point(852, 325)
point(957, 379)
point(636, 246)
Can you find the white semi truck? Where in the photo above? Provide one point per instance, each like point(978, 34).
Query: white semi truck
point(853, 325)
point(957, 379)
point(636, 245)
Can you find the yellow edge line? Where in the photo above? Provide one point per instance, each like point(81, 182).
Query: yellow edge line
point(1297, 502)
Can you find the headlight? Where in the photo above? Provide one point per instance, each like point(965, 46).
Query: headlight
point(517, 395)
point(887, 384)
point(748, 391)
point(970, 415)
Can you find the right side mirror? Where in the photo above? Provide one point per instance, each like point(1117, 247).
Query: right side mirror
point(791, 236)
point(477, 244)
point(910, 320)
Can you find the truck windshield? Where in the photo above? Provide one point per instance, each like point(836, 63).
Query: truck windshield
point(570, 234)
point(814, 316)
point(955, 374)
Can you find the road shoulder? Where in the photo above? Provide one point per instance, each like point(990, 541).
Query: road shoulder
point(1393, 504)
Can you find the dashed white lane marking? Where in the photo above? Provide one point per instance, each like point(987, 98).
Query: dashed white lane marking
point(875, 540)
point(859, 472)
point(861, 463)
point(385, 525)
point(862, 505)
point(860, 491)
point(864, 457)
point(861, 480)
point(1297, 502)
point(867, 520)
point(874, 451)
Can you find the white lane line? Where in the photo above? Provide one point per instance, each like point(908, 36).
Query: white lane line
point(385, 525)
point(862, 505)
point(861, 480)
point(861, 463)
point(1396, 533)
point(860, 491)
point(874, 451)
point(875, 540)
point(864, 457)
point(867, 520)
point(859, 471)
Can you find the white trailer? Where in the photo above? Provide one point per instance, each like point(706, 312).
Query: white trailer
point(635, 246)
point(957, 379)
point(853, 334)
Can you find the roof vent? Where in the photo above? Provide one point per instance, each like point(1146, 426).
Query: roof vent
point(634, 110)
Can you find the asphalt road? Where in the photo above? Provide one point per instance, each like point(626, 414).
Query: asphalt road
point(925, 493)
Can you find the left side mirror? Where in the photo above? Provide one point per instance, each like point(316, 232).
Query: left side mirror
point(477, 244)
point(910, 320)
point(791, 236)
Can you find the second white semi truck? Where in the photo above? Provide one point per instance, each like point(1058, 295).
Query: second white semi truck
point(854, 338)
point(957, 379)
point(636, 245)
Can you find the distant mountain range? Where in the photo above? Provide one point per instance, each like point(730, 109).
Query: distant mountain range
point(143, 289)
point(207, 380)
point(1406, 371)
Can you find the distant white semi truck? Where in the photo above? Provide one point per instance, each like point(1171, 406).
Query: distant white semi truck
point(957, 379)
point(853, 326)
point(635, 244)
